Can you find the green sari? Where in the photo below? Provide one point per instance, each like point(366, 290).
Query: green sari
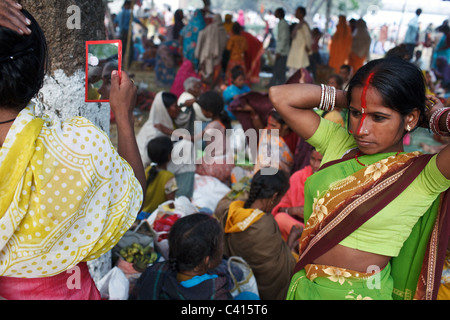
point(355, 195)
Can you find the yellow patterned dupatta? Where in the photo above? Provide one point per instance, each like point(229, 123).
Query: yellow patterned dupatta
point(239, 218)
point(66, 196)
point(353, 200)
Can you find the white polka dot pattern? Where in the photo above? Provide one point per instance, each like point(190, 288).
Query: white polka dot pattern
point(74, 201)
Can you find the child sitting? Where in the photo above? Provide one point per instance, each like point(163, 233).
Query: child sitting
point(161, 183)
point(195, 250)
point(278, 139)
point(238, 86)
point(218, 159)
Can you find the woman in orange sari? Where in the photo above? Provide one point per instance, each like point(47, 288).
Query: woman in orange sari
point(341, 44)
point(237, 46)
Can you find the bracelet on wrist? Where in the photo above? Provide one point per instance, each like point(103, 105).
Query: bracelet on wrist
point(327, 98)
point(435, 119)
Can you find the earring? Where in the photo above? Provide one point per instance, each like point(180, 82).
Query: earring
point(408, 127)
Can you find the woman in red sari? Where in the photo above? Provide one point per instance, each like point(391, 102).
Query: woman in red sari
point(252, 57)
point(376, 220)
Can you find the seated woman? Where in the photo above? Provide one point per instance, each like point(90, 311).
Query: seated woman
point(276, 140)
point(237, 87)
point(161, 183)
point(252, 233)
point(218, 158)
point(161, 122)
point(190, 110)
point(289, 212)
point(195, 251)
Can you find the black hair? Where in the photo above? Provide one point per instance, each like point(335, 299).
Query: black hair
point(280, 11)
point(158, 150)
point(236, 28)
point(346, 67)
point(399, 82)
point(169, 99)
point(275, 115)
point(302, 10)
point(213, 102)
point(192, 238)
point(179, 24)
point(339, 80)
point(24, 61)
point(237, 71)
point(264, 186)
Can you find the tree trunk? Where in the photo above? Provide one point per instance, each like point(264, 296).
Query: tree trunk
point(67, 25)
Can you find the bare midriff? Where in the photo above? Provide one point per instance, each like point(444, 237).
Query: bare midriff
point(352, 259)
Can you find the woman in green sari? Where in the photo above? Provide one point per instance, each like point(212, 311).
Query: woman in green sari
point(376, 217)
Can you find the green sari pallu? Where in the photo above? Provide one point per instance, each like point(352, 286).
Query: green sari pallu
point(413, 274)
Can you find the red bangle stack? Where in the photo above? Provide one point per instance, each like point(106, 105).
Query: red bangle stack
point(435, 119)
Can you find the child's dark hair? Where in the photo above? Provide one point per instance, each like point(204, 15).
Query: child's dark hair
point(237, 71)
point(213, 102)
point(192, 238)
point(264, 186)
point(23, 64)
point(158, 150)
point(169, 99)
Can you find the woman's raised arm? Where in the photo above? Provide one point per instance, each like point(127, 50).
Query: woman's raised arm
point(439, 120)
point(295, 103)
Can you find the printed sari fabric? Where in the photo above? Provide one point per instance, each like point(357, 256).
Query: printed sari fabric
point(190, 36)
point(321, 282)
point(255, 236)
point(294, 197)
point(66, 196)
point(355, 199)
point(167, 61)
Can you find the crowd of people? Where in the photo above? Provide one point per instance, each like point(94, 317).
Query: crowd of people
point(324, 202)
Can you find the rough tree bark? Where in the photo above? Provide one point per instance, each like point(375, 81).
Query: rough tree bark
point(67, 24)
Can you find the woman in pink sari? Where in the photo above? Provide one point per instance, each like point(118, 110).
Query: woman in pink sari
point(289, 211)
